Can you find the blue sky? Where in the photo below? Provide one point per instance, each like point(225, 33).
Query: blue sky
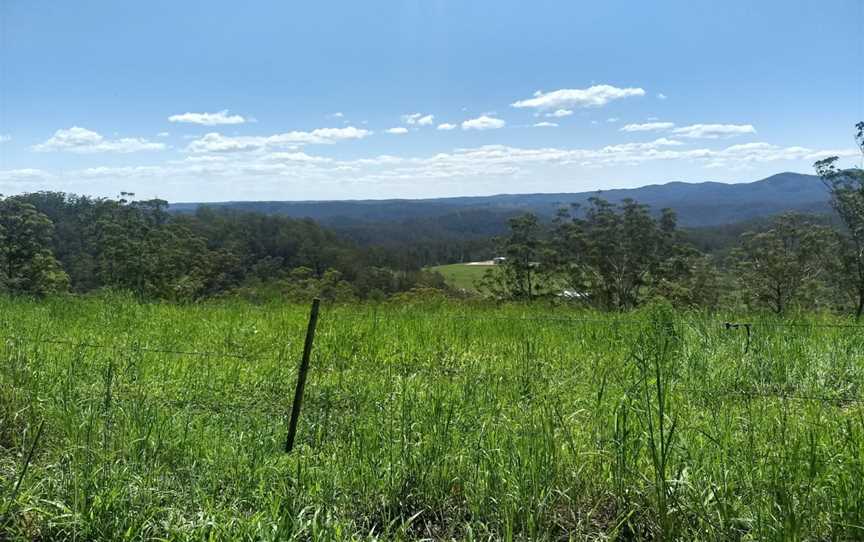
point(211, 101)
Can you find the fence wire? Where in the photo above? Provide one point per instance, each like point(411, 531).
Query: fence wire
point(280, 355)
point(137, 349)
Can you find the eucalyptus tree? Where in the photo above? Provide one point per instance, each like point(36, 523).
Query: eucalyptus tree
point(782, 265)
point(27, 264)
point(846, 188)
point(614, 253)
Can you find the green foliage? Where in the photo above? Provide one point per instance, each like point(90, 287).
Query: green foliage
point(615, 252)
point(520, 276)
point(689, 279)
point(846, 187)
point(139, 247)
point(27, 264)
point(780, 267)
point(436, 421)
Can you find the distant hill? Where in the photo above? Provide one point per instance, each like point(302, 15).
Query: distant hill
point(697, 204)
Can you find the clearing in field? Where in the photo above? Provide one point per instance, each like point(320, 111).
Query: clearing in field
point(463, 276)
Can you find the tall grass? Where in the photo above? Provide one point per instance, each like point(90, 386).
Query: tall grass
point(425, 422)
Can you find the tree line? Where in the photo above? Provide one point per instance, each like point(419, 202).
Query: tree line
point(617, 256)
point(54, 242)
point(610, 256)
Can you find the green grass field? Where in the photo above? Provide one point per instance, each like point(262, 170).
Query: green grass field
point(447, 421)
point(462, 276)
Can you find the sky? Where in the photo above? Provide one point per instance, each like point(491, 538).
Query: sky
point(272, 100)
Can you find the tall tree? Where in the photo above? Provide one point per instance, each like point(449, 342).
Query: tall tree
point(519, 275)
point(614, 252)
point(846, 187)
point(27, 264)
point(779, 267)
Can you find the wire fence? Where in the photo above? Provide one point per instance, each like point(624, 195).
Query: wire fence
point(284, 355)
point(281, 355)
point(139, 349)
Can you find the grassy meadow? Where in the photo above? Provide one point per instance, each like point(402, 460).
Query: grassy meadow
point(462, 276)
point(435, 421)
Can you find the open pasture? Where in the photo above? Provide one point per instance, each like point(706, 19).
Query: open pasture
point(448, 421)
point(462, 275)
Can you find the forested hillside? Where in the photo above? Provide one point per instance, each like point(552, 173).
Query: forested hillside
point(697, 203)
point(55, 242)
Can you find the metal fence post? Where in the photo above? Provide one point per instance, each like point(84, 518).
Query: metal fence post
point(301, 376)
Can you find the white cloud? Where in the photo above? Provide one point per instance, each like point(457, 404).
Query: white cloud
point(26, 175)
point(208, 119)
point(661, 96)
point(298, 157)
point(216, 142)
point(558, 113)
point(714, 131)
point(648, 127)
point(202, 159)
point(546, 125)
point(336, 115)
point(446, 126)
point(612, 119)
point(270, 174)
point(163, 134)
point(82, 140)
point(123, 171)
point(419, 119)
point(595, 96)
point(483, 122)
point(397, 130)
point(5, 137)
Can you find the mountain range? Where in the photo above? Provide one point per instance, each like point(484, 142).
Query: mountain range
point(697, 204)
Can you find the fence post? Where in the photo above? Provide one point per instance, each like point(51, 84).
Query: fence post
point(301, 375)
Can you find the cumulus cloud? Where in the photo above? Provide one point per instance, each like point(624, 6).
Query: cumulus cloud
point(82, 140)
point(483, 122)
point(546, 125)
point(612, 119)
point(208, 119)
point(594, 96)
point(661, 96)
point(558, 113)
point(5, 137)
point(446, 126)
point(648, 127)
point(397, 130)
point(714, 131)
point(23, 176)
point(484, 164)
point(336, 115)
point(419, 119)
point(296, 157)
point(216, 142)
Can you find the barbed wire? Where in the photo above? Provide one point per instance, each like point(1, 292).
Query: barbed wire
point(450, 371)
point(564, 319)
point(796, 325)
point(216, 407)
point(749, 393)
point(146, 349)
point(626, 322)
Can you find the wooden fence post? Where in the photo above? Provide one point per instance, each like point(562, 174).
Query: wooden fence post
point(301, 375)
